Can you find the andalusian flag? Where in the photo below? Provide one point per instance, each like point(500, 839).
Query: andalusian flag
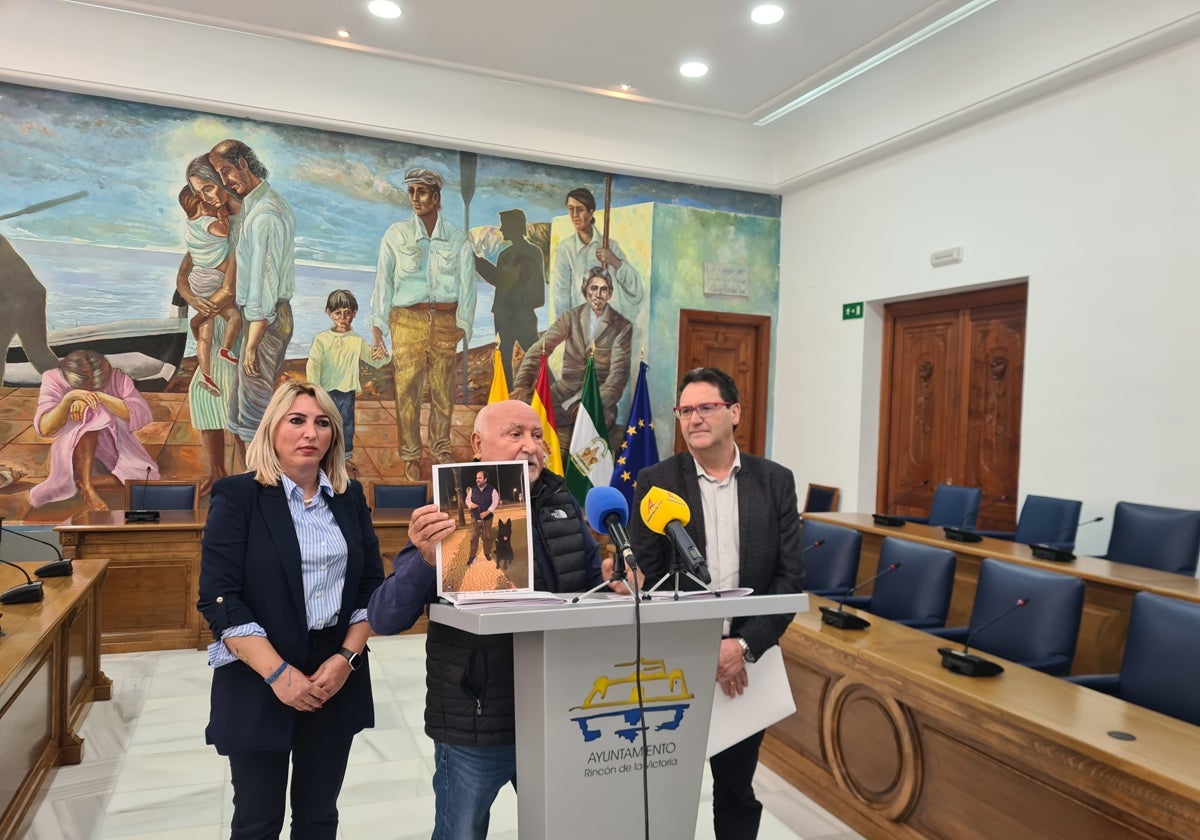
point(543, 404)
point(590, 462)
point(499, 392)
point(639, 449)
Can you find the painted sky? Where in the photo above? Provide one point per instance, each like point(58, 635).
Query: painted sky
point(344, 189)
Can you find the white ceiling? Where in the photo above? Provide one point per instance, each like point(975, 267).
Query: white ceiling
point(593, 47)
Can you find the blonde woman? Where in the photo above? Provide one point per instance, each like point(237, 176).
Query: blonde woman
point(289, 562)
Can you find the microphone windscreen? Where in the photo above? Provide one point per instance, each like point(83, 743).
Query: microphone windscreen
point(600, 503)
point(662, 507)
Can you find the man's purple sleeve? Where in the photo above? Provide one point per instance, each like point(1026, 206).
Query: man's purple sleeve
point(400, 600)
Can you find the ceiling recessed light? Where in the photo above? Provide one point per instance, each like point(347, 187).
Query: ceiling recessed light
point(693, 69)
point(766, 14)
point(343, 33)
point(626, 86)
point(383, 9)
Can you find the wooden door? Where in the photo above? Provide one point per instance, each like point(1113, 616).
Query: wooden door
point(740, 345)
point(951, 403)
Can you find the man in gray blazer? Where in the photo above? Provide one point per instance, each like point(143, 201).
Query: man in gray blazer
point(746, 522)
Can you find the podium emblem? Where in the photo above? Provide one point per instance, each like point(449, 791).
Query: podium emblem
point(612, 707)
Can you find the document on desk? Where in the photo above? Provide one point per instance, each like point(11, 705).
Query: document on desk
point(766, 700)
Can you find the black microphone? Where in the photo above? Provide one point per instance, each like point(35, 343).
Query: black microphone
point(886, 521)
point(141, 514)
point(55, 568)
point(22, 593)
point(959, 533)
point(968, 664)
point(847, 621)
point(1046, 551)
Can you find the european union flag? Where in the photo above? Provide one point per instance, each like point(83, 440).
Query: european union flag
point(639, 448)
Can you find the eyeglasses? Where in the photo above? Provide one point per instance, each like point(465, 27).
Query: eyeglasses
point(599, 290)
point(705, 410)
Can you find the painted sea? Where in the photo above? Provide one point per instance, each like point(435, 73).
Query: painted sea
point(92, 284)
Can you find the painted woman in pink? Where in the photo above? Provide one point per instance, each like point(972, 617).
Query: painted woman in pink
point(91, 411)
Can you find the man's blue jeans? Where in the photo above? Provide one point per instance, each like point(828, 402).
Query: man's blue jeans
point(466, 781)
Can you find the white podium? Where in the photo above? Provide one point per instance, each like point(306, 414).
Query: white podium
point(579, 747)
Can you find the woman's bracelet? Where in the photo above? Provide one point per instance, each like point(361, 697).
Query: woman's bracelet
point(282, 667)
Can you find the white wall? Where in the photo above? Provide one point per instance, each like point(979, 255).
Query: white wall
point(1094, 195)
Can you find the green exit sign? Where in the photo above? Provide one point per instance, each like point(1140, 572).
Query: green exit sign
point(850, 311)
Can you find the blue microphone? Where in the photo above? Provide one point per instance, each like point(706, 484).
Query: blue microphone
point(607, 510)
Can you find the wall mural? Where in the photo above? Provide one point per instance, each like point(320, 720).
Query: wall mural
point(162, 269)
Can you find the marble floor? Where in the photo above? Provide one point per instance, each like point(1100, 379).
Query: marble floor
point(147, 773)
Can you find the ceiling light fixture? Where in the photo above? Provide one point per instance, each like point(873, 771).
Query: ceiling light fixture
point(626, 86)
point(959, 14)
point(693, 69)
point(766, 14)
point(343, 33)
point(384, 9)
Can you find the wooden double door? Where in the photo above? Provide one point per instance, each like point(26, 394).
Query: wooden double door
point(951, 402)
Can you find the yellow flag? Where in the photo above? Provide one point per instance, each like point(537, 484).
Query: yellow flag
point(499, 392)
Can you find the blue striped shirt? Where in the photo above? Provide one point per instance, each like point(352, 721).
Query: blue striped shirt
point(322, 566)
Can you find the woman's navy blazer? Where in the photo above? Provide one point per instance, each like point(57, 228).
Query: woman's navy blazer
point(250, 572)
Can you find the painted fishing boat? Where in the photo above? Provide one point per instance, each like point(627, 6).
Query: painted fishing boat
point(149, 350)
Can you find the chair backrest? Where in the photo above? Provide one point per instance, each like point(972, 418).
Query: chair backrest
point(412, 494)
point(1045, 519)
point(161, 495)
point(955, 506)
point(1156, 537)
point(1041, 634)
point(830, 568)
point(917, 593)
point(821, 498)
point(1161, 670)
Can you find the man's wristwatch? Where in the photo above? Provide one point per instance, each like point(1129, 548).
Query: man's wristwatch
point(747, 654)
point(355, 659)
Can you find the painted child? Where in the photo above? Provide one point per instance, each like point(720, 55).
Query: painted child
point(213, 276)
point(334, 357)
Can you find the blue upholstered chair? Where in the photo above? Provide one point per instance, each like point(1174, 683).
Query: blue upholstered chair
point(821, 499)
point(952, 505)
point(831, 568)
point(1041, 635)
point(1160, 669)
point(399, 495)
point(917, 593)
point(1044, 520)
point(1155, 537)
point(160, 495)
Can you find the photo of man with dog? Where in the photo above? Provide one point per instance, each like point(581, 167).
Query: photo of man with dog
point(490, 549)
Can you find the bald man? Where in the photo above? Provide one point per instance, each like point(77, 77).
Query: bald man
point(469, 705)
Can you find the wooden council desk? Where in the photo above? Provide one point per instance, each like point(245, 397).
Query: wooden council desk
point(899, 747)
point(49, 674)
point(1108, 592)
point(154, 574)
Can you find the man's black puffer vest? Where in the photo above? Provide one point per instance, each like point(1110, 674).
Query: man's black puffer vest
point(469, 682)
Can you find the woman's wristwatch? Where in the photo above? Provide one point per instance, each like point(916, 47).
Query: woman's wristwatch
point(355, 659)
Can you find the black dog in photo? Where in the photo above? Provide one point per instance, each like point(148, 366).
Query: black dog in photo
point(504, 549)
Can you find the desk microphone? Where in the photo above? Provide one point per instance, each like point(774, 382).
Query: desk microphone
point(142, 514)
point(1047, 551)
point(886, 521)
point(665, 513)
point(959, 533)
point(55, 568)
point(607, 510)
point(847, 621)
point(968, 664)
point(22, 593)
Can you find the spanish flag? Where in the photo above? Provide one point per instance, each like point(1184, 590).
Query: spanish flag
point(543, 404)
point(499, 392)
